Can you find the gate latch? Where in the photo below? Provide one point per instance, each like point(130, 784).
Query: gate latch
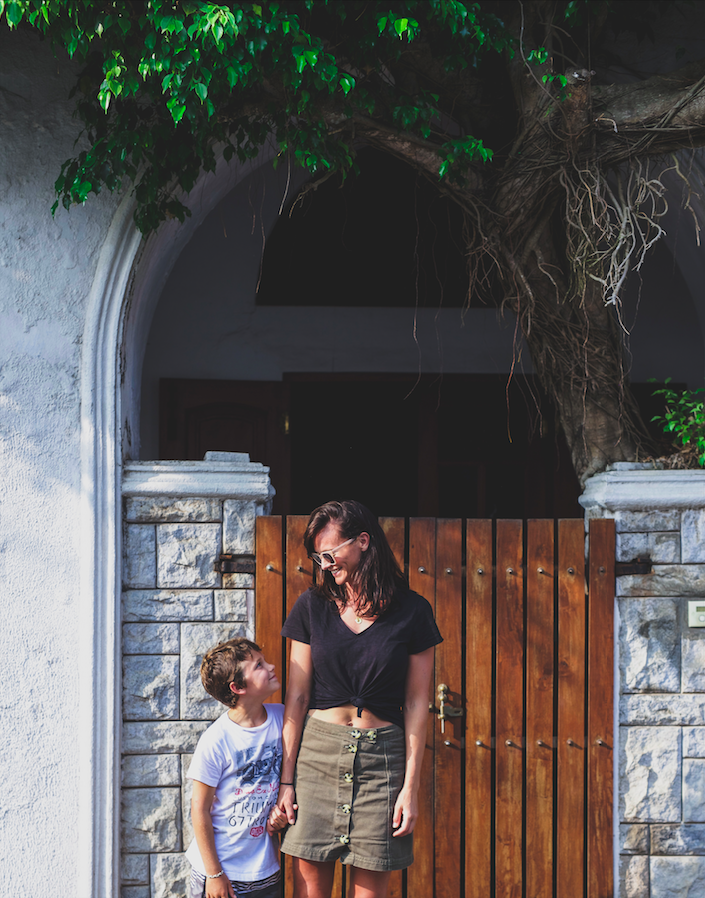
point(445, 709)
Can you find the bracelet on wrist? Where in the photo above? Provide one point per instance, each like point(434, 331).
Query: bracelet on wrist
point(214, 875)
point(286, 784)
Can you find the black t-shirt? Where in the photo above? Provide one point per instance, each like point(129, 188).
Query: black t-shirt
point(365, 669)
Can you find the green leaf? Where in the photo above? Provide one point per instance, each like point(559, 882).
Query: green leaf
point(176, 108)
point(347, 82)
point(382, 23)
point(14, 13)
point(232, 75)
point(400, 26)
point(311, 57)
point(201, 90)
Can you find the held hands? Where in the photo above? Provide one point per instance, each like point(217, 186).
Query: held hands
point(406, 812)
point(220, 888)
point(276, 821)
point(286, 803)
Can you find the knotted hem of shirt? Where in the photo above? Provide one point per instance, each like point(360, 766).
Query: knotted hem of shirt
point(358, 703)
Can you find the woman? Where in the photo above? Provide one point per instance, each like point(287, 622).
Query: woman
point(356, 708)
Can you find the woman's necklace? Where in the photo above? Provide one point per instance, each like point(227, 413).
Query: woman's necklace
point(356, 614)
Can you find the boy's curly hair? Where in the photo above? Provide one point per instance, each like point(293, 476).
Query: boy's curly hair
point(222, 665)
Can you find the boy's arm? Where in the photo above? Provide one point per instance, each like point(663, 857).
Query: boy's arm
point(201, 801)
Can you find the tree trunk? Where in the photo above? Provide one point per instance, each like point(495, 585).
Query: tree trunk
point(577, 353)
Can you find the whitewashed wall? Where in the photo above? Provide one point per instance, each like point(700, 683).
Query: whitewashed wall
point(46, 271)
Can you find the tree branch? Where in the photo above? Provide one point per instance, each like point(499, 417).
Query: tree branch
point(658, 115)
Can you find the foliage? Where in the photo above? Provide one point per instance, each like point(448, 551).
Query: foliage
point(684, 418)
point(164, 82)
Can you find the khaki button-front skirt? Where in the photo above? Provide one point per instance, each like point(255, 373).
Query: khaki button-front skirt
point(347, 781)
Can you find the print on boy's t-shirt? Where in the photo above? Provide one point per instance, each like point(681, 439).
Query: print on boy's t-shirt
point(255, 788)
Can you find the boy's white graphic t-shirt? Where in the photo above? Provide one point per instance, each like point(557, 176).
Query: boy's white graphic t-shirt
point(244, 764)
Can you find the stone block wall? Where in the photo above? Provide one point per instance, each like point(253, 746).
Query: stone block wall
point(175, 605)
point(661, 674)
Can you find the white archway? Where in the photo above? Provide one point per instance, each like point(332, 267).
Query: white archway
point(128, 280)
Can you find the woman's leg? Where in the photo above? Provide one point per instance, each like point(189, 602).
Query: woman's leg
point(368, 883)
point(312, 879)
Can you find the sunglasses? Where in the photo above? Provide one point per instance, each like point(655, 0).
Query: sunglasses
point(329, 557)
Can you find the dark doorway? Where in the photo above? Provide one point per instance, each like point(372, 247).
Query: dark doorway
point(456, 446)
point(385, 236)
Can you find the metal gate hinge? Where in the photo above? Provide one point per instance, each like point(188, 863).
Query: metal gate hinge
point(235, 564)
point(639, 565)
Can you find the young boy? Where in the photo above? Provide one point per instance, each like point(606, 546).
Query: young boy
point(235, 772)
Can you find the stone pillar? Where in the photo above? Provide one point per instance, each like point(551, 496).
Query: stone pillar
point(178, 518)
point(661, 674)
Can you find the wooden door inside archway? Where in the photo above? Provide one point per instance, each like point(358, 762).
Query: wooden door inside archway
point(516, 800)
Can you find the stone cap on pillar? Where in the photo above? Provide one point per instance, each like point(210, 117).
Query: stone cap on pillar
point(634, 486)
point(223, 475)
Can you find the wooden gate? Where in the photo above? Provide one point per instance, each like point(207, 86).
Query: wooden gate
point(516, 798)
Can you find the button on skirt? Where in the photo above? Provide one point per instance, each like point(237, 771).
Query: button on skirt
point(347, 781)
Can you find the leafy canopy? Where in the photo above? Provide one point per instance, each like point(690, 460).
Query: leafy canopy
point(165, 82)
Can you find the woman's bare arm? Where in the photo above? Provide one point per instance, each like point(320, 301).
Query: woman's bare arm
point(298, 691)
point(418, 679)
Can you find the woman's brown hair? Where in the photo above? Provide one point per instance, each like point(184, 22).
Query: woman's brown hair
point(378, 575)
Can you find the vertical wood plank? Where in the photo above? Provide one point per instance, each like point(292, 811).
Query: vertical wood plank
point(539, 708)
point(600, 878)
point(299, 569)
point(394, 531)
point(570, 861)
point(479, 661)
point(449, 670)
point(509, 711)
point(269, 591)
point(338, 879)
point(422, 579)
point(299, 576)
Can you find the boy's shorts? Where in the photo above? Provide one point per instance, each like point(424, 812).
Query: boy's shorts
point(263, 888)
